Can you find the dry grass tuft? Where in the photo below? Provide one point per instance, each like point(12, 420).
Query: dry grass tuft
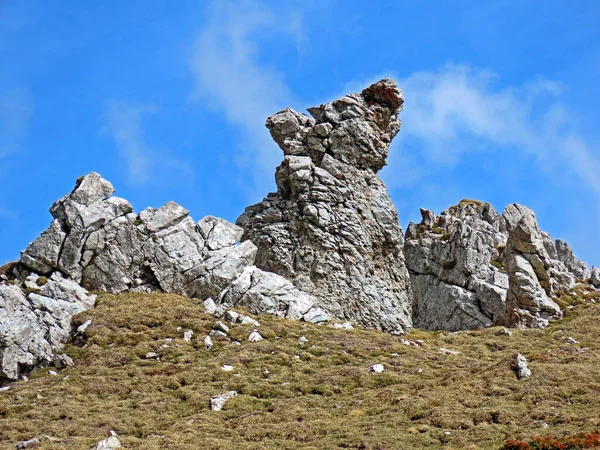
point(324, 399)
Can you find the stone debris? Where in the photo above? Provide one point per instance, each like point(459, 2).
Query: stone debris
point(109, 443)
point(217, 402)
point(331, 228)
point(217, 334)
point(342, 326)
point(255, 337)
point(31, 443)
point(151, 355)
point(62, 361)
point(376, 368)
point(504, 332)
point(226, 368)
point(220, 326)
point(518, 364)
point(187, 335)
point(208, 343)
point(302, 340)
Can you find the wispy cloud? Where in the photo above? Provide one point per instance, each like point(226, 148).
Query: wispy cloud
point(16, 110)
point(231, 75)
point(458, 110)
point(123, 122)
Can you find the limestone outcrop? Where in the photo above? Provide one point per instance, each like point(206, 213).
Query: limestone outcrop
point(331, 227)
point(453, 261)
point(35, 321)
point(471, 267)
point(98, 241)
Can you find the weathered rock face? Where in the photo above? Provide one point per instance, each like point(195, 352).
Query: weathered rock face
point(331, 227)
point(471, 267)
point(529, 271)
point(98, 241)
point(35, 321)
point(449, 258)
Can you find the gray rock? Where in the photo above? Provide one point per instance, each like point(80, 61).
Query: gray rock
point(255, 337)
point(453, 261)
point(217, 334)
point(31, 443)
point(331, 228)
point(220, 326)
point(595, 277)
point(208, 343)
point(376, 368)
point(265, 292)
point(518, 364)
point(34, 327)
point(578, 268)
point(528, 264)
point(187, 335)
point(62, 361)
point(109, 443)
point(217, 402)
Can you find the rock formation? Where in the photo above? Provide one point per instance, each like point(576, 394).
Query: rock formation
point(35, 321)
point(471, 268)
point(98, 241)
point(331, 227)
point(450, 259)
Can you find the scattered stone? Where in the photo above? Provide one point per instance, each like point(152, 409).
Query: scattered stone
point(302, 340)
point(151, 355)
point(249, 321)
point(410, 343)
point(231, 316)
point(208, 343)
point(220, 326)
point(210, 305)
point(571, 340)
point(217, 402)
point(376, 368)
point(255, 337)
point(226, 368)
point(109, 443)
point(4, 388)
point(445, 351)
point(84, 326)
point(504, 332)
point(31, 443)
point(342, 326)
point(53, 373)
point(217, 334)
point(518, 364)
point(187, 335)
point(62, 361)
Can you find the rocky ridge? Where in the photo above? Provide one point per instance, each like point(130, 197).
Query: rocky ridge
point(326, 245)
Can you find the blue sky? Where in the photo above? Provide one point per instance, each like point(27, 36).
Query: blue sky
point(168, 99)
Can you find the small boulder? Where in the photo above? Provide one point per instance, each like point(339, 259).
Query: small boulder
point(31, 443)
point(255, 337)
point(376, 368)
point(187, 335)
point(220, 326)
point(208, 343)
point(302, 340)
point(518, 364)
point(109, 443)
point(217, 402)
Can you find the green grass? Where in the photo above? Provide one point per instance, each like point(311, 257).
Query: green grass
point(325, 399)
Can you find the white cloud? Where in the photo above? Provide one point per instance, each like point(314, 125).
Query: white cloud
point(124, 124)
point(458, 110)
point(231, 75)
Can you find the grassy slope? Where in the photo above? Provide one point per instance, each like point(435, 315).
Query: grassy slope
point(325, 399)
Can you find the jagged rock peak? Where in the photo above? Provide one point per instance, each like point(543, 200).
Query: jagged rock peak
point(331, 227)
point(355, 129)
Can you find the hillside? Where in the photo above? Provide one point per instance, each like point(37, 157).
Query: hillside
point(318, 395)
